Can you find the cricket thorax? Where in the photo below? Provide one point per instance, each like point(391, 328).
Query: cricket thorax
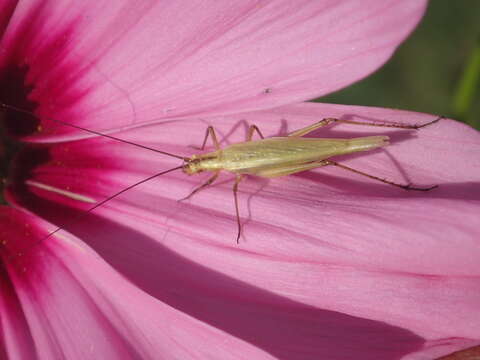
point(204, 162)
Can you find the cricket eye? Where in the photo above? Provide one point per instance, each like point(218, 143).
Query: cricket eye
point(188, 169)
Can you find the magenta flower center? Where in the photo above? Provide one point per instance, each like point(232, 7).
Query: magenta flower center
point(18, 158)
point(14, 92)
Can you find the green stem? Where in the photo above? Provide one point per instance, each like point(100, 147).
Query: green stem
point(468, 86)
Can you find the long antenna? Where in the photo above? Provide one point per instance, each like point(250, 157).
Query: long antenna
point(6, 106)
point(81, 215)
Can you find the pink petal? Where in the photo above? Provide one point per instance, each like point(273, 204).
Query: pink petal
point(321, 252)
point(15, 338)
point(6, 9)
point(107, 66)
point(77, 307)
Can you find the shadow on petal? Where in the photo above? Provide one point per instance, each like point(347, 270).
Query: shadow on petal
point(461, 190)
point(280, 326)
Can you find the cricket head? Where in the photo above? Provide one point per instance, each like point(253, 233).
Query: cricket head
point(192, 165)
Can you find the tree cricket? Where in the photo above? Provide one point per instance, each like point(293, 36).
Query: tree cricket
point(287, 155)
point(268, 157)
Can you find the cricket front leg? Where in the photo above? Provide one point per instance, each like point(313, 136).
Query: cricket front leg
point(210, 132)
point(203, 186)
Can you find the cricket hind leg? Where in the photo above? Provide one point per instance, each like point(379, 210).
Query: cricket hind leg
point(328, 121)
point(292, 169)
point(203, 186)
point(289, 170)
point(388, 125)
point(308, 129)
point(373, 177)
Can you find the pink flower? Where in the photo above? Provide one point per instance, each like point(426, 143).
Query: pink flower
point(330, 265)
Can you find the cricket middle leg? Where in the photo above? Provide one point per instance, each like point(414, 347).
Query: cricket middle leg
point(251, 130)
point(237, 212)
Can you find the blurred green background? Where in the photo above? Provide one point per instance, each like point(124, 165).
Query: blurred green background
point(436, 70)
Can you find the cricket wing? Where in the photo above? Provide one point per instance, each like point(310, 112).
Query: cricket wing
point(258, 157)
